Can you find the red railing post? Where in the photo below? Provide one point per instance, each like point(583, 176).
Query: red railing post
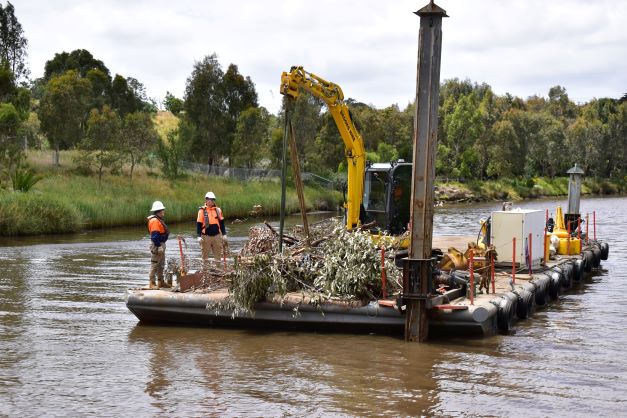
point(492, 271)
point(530, 255)
point(183, 272)
point(546, 220)
point(514, 260)
point(568, 242)
point(472, 278)
point(587, 223)
point(594, 223)
point(384, 285)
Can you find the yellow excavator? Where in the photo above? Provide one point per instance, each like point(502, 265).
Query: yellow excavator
point(378, 192)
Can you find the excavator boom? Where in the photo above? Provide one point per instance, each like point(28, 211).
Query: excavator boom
point(332, 95)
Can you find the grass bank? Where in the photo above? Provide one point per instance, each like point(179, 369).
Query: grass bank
point(519, 189)
point(67, 202)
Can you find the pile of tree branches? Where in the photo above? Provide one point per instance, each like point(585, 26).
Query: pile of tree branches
point(333, 264)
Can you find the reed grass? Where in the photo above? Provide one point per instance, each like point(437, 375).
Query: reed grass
point(65, 202)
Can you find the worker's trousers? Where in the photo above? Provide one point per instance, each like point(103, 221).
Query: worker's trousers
point(157, 262)
point(211, 244)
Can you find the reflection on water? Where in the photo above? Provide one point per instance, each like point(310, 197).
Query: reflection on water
point(69, 346)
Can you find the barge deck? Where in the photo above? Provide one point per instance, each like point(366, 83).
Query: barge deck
point(451, 313)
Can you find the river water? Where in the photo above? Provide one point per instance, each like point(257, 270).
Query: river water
point(69, 346)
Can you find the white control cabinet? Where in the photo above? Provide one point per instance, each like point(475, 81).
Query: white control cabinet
point(518, 223)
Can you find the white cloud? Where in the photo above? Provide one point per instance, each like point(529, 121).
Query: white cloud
point(367, 47)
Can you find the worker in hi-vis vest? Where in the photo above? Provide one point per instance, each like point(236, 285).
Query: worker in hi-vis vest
point(158, 236)
point(210, 229)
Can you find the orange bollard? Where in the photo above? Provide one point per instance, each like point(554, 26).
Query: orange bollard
point(514, 260)
point(472, 278)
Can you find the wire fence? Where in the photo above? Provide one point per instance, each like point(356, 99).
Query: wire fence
point(241, 173)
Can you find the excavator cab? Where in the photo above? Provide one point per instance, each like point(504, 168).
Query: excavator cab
point(387, 194)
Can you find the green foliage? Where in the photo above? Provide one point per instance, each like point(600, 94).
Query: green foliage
point(172, 150)
point(213, 102)
point(173, 104)
point(83, 203)
point(53, 215)
point(102, 145)
point(62, 109)
point(139, 136)
point(251, 136)
point(23, 178)
point(79, 60)
point(13, 43)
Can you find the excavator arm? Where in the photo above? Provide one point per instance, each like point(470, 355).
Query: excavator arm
point(354, 151)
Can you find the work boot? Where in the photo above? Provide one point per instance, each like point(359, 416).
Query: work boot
point(160, 284)
point(151, 284)
point(167, 284)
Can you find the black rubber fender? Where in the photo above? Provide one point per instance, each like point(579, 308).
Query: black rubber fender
point(555, 285)
point(605, 250)
point(587, 261)
point(541, 283)
point(567, 272)
point(525, 299)
point(578, 270)
point(531, 303)
point(596, 259)
point(560, 270)
point(504, 313)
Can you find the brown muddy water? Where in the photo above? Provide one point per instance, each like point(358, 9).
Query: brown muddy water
point(69, 346)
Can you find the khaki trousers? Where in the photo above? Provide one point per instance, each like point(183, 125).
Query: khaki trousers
point(157, 263)
point(212, 244)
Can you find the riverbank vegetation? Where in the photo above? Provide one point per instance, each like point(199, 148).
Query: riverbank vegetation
point(64, 201)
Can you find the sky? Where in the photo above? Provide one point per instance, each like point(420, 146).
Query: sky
point(369, 48)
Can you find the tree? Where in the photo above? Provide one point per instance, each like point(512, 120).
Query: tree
point(138, 137)
point(240, 95)
point(172, 150)
point(102, 140)
point(10, 149)
point(173, 104)
point(62, 110)
point(124, 97)
point(13, 43)
point(463, 127)
point(206, 108)
point(251, 135)
point(80, 60)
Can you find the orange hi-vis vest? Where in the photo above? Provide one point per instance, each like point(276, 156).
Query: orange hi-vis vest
point(212, 215)
point(156, 225)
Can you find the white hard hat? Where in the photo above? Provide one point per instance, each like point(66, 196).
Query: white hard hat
point(210, 195)
point(157, 206)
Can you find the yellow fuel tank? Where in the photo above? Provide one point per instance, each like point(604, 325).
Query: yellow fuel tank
point(569, 249)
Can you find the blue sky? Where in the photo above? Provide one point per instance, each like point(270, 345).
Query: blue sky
point(369, 48)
